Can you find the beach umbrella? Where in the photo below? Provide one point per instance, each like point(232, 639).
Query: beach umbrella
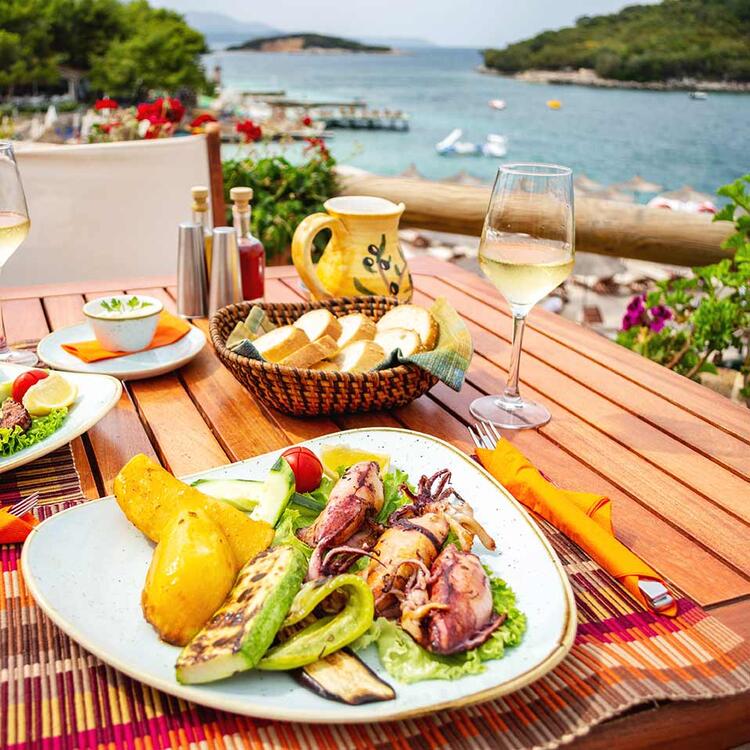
point(637, 185)
point(464, 178)
point(586, 184)
point(412, 173)
point(688, 194)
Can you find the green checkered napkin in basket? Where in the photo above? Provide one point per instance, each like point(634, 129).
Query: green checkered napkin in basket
point(448, 361)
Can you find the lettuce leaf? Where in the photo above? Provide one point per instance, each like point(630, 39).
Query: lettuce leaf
point(291, 520)
point(407, 661)
point(393, 498)
point(14, 439)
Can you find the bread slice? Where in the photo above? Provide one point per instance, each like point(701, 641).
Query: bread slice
point(359, 356)
point(399, 338)
point(325, 365)
point(414, 318)
point(356, 327)
point(319, 323)
point(311, 353)
point(280, 343)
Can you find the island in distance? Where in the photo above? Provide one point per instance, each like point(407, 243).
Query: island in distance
point(305, 42)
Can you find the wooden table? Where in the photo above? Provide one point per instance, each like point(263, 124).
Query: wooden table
point(673, 456)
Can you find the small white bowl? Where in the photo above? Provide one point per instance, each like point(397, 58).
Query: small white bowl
point(127, 330)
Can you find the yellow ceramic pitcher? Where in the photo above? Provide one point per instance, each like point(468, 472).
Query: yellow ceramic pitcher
point(363, 256)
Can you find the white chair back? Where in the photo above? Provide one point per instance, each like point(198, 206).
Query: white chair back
point(105, 211)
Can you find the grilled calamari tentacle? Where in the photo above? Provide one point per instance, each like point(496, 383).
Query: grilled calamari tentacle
point(467, 619)
point(355, 497)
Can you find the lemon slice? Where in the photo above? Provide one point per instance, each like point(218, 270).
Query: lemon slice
point(53, 392)
point(334, 457)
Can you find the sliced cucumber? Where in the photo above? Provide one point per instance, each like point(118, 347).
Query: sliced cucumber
point(276, 492)
point(242, 493)
point(265, 501)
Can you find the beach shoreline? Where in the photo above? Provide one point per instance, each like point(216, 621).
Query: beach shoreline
point(588, 77)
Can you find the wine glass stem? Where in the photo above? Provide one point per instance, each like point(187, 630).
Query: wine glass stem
point(511, 389)
point(3, 340)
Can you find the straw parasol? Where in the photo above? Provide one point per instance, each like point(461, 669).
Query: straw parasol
point(586, 184)
point(412, 173)
point(638, 185)
point(688, 194)
point(464, 178)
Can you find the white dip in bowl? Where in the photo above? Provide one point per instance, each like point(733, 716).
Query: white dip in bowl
point(123, 322)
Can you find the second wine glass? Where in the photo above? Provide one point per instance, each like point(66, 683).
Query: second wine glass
point(14, 226)
point(527, 250)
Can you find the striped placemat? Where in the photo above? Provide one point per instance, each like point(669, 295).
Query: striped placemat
point(54, 695)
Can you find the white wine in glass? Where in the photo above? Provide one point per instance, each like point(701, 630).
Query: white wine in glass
point(527, 250)
point(14, 227)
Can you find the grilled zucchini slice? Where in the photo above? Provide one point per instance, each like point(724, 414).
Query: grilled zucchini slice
point(237, 636)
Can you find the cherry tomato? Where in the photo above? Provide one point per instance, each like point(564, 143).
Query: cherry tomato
point(24, 381)
point(308, 471)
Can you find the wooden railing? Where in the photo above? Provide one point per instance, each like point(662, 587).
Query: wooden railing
point(624, 230)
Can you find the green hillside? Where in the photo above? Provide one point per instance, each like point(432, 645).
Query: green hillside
point(307, 41)
point(705, 39)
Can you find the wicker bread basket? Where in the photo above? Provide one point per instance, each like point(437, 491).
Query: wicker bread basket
point(304, 392)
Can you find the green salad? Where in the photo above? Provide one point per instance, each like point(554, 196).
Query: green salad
point(14, 439)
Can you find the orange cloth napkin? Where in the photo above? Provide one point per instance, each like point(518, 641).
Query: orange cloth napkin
point(169, 329)
point(15, 529)
point(582, 516)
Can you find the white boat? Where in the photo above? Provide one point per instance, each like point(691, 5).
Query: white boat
point(497, 103)
point(495, 146)
point(699, 95)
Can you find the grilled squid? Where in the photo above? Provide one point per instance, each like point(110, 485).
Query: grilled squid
point(347, 520)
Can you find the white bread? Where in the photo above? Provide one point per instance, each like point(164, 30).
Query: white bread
point(355, 327)
point(399, 338)
point(280, 343)
point(413, 318)
point(359, 356)
point(325, 365)
point(319, 323)
point(311, 353)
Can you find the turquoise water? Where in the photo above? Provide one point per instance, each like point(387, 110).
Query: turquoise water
point(610, 135)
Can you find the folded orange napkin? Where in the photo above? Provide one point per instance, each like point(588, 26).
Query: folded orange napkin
point(15, 529)
point(169, 329)
point(582, 516)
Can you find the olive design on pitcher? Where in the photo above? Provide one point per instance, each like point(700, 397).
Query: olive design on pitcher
point(375, 262)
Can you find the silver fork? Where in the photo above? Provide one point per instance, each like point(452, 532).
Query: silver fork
point(485, 435)
point(24, 505)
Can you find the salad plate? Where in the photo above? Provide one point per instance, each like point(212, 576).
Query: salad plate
point(136, 366)
point(86, 567)
point(97, 394)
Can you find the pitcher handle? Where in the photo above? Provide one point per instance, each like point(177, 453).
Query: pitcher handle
point(302, 242)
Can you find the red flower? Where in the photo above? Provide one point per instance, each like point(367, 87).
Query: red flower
point(171, 109)
point(307, 121)
point(202, 120)
point(105, 127)
point(319, 144)
point(249, 130)
point(105, 103)
point(147, 110)
point(175, 110)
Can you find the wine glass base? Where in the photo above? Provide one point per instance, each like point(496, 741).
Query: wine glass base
point(19, 357)
point(509, 415)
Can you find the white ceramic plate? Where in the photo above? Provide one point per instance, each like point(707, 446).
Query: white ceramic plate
point(86, 566)
point(97, 394)
point(136, 366)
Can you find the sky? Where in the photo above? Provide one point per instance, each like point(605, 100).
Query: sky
point(468, 23)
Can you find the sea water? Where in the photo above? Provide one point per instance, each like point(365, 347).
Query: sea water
point(610, 135)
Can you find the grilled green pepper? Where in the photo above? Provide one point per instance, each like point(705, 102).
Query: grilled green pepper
point(327, 634)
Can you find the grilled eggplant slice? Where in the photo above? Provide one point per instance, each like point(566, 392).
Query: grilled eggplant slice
point(346, 678)
point(237, 636)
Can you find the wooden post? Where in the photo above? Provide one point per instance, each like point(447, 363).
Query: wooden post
point(216, 176)
point(623, 230)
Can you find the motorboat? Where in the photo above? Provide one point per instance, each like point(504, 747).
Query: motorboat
point(700, 96)
point(497, 103)
point(495, 145)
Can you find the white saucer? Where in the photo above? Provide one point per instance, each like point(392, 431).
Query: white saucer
point(146, 364)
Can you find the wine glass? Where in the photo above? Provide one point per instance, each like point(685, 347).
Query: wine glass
point(526, 251)
point(14, 226)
